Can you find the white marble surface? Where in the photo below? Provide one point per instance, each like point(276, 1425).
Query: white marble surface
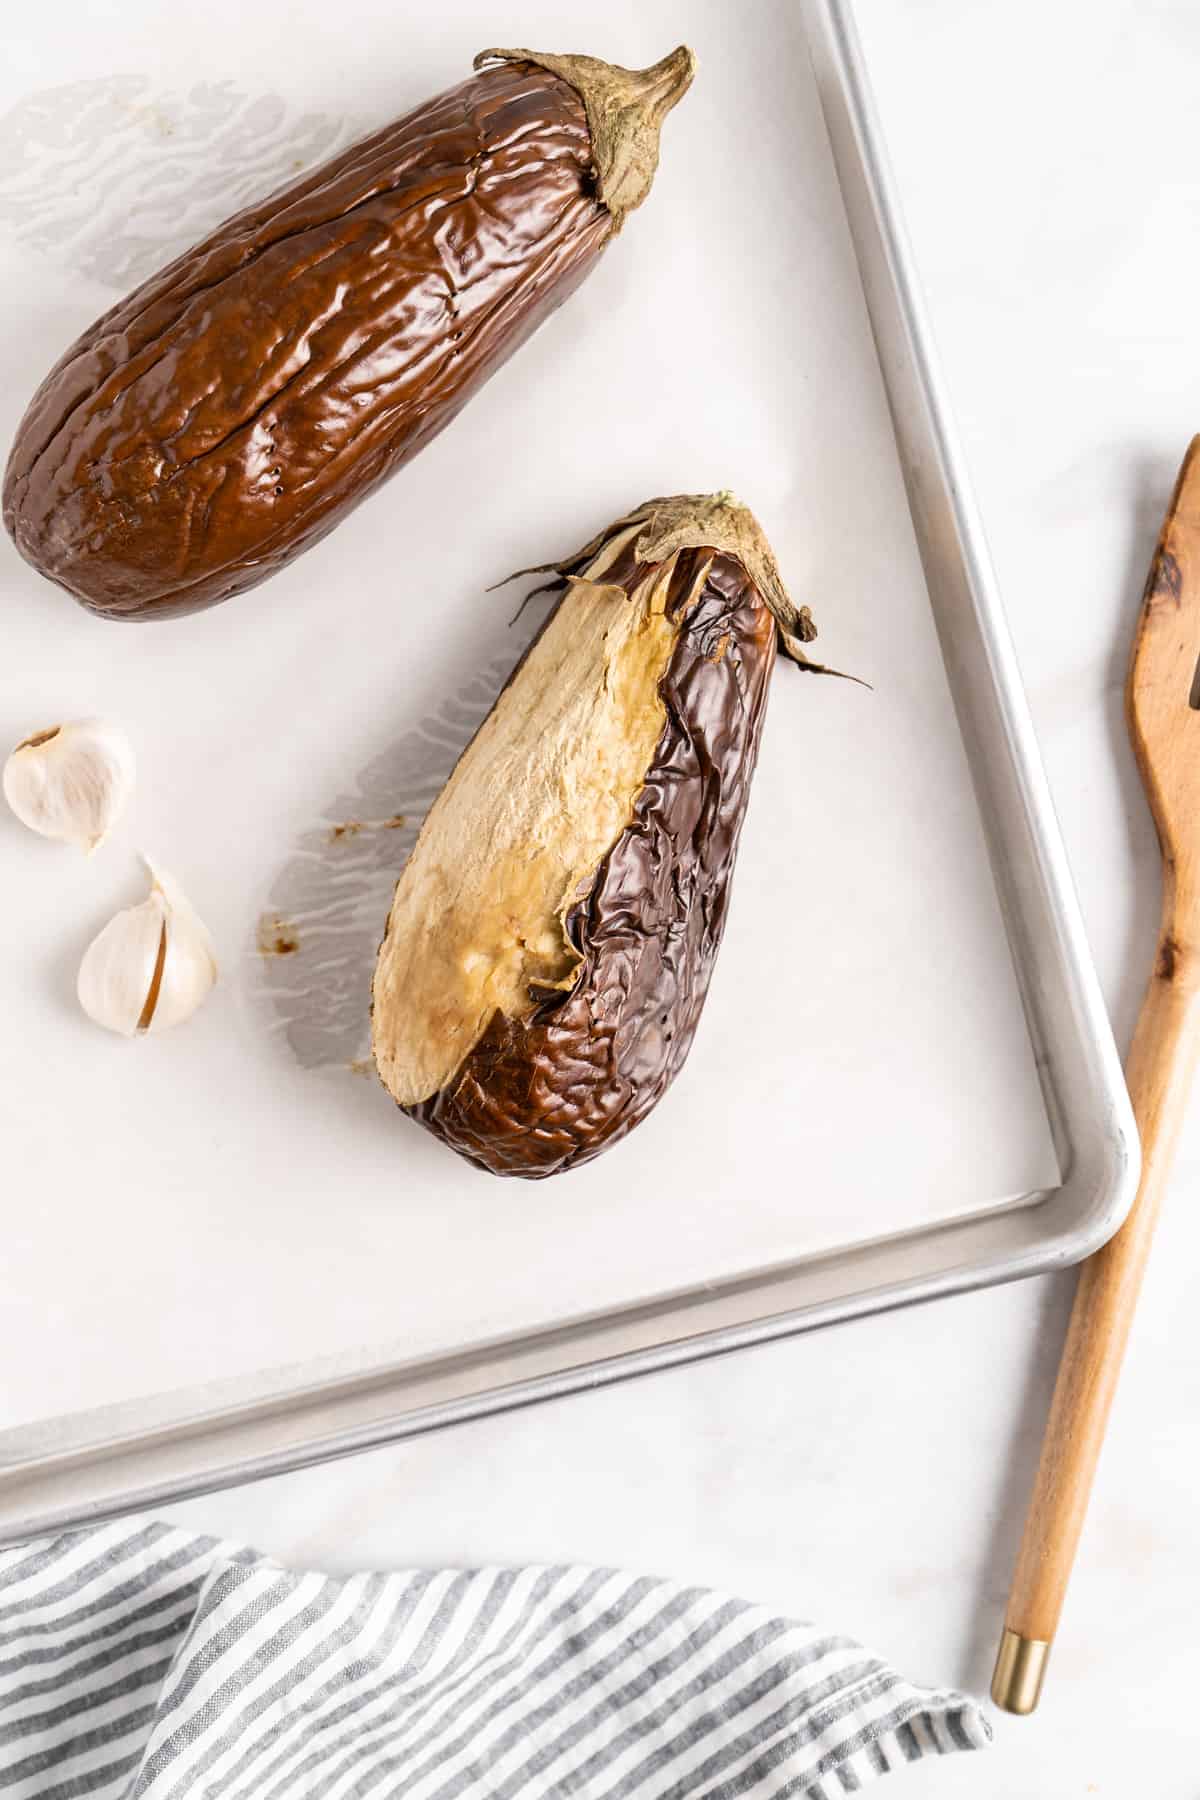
point(874, 1476)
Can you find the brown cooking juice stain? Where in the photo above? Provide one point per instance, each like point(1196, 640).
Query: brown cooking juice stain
point(351, 827)
point(276, 937)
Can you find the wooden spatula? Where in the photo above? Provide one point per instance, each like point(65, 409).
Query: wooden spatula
point(1163, 698)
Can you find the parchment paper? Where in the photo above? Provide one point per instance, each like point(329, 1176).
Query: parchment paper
point(232, 1195)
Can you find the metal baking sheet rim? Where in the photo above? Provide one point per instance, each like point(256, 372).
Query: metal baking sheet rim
point(80, 1468)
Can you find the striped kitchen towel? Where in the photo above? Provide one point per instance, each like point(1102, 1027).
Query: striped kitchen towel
point(142, 1662)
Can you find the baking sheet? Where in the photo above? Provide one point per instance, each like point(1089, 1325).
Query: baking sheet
point(234, 1196)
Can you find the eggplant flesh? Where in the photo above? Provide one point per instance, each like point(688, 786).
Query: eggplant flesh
point(553, 935)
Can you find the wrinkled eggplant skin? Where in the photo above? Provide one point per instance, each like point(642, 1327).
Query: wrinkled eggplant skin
point(543, 1094)
point(234, 408)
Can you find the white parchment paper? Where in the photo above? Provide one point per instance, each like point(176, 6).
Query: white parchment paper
point(233, 1196)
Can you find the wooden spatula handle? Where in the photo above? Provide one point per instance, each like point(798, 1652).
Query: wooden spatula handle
point(1163, 706)
point(1160, 1069)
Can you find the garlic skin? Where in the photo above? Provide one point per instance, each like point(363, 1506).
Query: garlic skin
point(151, 966)
point(71, 781)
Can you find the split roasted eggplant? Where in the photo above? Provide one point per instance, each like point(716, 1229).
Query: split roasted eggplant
point(237, 405)
point(553, 933)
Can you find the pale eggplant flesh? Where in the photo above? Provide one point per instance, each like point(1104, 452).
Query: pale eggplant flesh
point(554, 932)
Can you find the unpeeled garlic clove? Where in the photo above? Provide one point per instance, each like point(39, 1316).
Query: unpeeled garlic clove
point(72, 781)
point(151, 966)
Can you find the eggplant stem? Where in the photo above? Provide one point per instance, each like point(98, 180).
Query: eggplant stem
point(625, 110)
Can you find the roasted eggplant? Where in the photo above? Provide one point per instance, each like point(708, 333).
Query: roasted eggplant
point(553, 933)
point(238, 404)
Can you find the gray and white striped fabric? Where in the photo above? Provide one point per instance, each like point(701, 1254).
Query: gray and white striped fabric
point(139, 1662)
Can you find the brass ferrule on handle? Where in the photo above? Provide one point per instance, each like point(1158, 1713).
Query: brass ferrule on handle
point(1020, 1671)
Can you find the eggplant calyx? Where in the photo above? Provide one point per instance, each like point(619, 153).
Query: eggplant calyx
point(660, 528)
point(721, 522)
point(625, 111)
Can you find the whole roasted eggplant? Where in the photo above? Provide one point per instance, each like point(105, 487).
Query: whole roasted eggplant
point(237, 405)
point(552, 935)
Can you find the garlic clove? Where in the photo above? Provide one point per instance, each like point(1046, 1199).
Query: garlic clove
point(116, 976)
point(151, 966)
point(71, 781)
point(189, 966)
